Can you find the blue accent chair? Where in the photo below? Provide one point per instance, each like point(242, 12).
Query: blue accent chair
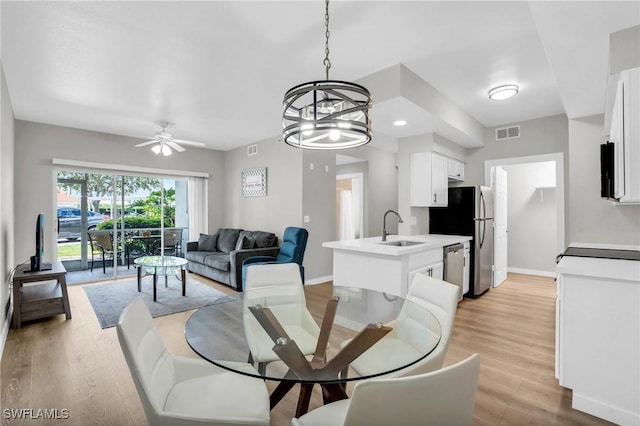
point(294, 242)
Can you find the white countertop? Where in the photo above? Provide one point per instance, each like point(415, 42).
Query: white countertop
point(374, 245)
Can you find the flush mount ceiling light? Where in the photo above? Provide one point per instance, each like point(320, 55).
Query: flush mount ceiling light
point(399, 123)
point(326, 114)
point(503, 92)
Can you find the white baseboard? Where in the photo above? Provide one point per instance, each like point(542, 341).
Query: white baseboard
point(319, 280)
point(5, 329)
point(551, 274)
point(605, 411)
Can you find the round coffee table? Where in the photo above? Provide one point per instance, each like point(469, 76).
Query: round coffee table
point(161, 265)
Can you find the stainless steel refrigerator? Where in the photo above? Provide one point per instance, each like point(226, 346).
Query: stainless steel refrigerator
point(470, 213)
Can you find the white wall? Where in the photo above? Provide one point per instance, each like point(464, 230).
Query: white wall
point(35, 178)
point(531, 217)
point(7, 216)
point(593, 219)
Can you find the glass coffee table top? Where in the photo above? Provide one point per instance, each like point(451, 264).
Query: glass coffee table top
point(160, 261)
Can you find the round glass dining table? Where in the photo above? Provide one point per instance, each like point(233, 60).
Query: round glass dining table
point(377, 332)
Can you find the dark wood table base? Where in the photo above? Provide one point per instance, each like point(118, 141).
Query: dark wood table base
point(317, 371)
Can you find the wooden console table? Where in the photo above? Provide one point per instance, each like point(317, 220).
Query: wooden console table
point(40, 300)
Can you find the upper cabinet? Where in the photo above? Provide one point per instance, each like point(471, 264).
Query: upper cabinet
point(625, 135)
point(428, 180)
point(455, 169)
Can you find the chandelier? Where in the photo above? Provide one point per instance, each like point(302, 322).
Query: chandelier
point(326, 114)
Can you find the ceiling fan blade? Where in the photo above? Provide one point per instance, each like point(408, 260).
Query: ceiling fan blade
point(175, 146)
point(190, 143)
point(146, 143)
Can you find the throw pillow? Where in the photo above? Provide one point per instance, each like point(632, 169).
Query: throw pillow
point(227, 239)
point(244, 243)
point(263, 239)
point(207, 242)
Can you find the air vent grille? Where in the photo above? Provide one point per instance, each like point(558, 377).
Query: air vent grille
point(252, 149)
point(508, 133)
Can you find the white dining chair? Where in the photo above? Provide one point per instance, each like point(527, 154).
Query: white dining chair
point(278, 287)
point(180, 391)
point(444, 397)
point(427, 295)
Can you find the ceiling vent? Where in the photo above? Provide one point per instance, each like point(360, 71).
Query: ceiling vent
point(252, 149)
point(507, 133)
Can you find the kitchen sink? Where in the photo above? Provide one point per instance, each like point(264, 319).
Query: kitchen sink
point(401, 243)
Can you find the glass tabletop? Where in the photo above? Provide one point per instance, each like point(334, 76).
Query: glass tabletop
point(386, 333)
point(160, 261)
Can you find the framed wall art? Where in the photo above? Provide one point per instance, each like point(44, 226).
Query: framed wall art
point(254, 182)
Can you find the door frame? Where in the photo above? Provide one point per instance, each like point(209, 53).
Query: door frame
point(558, 158)
point(360, 177)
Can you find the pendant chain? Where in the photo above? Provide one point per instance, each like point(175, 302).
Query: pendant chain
point(327, 62)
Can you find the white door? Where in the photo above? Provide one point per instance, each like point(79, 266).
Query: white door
point(500, 224)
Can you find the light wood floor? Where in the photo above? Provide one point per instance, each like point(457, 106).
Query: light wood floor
point(75, 365)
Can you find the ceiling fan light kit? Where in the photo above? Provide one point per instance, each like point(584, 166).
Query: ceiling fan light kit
point(326, 114)
point(163, 142)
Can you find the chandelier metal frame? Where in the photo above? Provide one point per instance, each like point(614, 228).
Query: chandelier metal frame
point(327, 114)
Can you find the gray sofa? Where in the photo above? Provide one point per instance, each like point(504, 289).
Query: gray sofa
point(220, 256)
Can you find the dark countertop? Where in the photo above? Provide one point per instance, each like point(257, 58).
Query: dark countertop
point(600, 253)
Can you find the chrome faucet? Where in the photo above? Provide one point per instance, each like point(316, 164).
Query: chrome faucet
point(384, 223)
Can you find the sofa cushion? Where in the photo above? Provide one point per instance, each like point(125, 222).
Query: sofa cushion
point(260, 239)
point(227, 239)
point(198, 256)
point(219, 261)
point(207, 242)
point(244, 242)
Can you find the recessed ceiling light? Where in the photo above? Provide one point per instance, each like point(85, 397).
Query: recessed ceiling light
point(503, 92)
point(399, 123)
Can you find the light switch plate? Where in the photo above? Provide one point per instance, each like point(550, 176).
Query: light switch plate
point(306, 219)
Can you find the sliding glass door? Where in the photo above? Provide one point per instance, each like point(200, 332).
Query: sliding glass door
point(107, 220)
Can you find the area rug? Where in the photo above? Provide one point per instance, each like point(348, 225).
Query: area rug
point(109, 299)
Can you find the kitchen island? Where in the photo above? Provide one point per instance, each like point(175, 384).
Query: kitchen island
point(389, 266)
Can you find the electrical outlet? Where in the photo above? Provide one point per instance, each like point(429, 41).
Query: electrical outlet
point(310, 166)
point(306, 219)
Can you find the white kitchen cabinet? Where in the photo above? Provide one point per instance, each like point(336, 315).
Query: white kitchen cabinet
point(428, 184)
point(455, 169)
point(435, 270)
point(625, 134)
point(597, 336)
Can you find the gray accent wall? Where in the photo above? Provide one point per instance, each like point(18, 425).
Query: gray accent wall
point(35, 180)
point(380, 186)
point(593, 219)
point(7, 210)
point(318, 204)
point(282, 206)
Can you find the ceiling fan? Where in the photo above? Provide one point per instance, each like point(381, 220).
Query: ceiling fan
point(163, 142)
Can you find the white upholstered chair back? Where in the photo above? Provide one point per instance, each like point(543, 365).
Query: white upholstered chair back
point(441, 299)
point(144, 350)
point(277, 286)
point(445, 397)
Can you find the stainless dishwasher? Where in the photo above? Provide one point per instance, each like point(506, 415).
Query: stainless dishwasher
point(454, 265)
